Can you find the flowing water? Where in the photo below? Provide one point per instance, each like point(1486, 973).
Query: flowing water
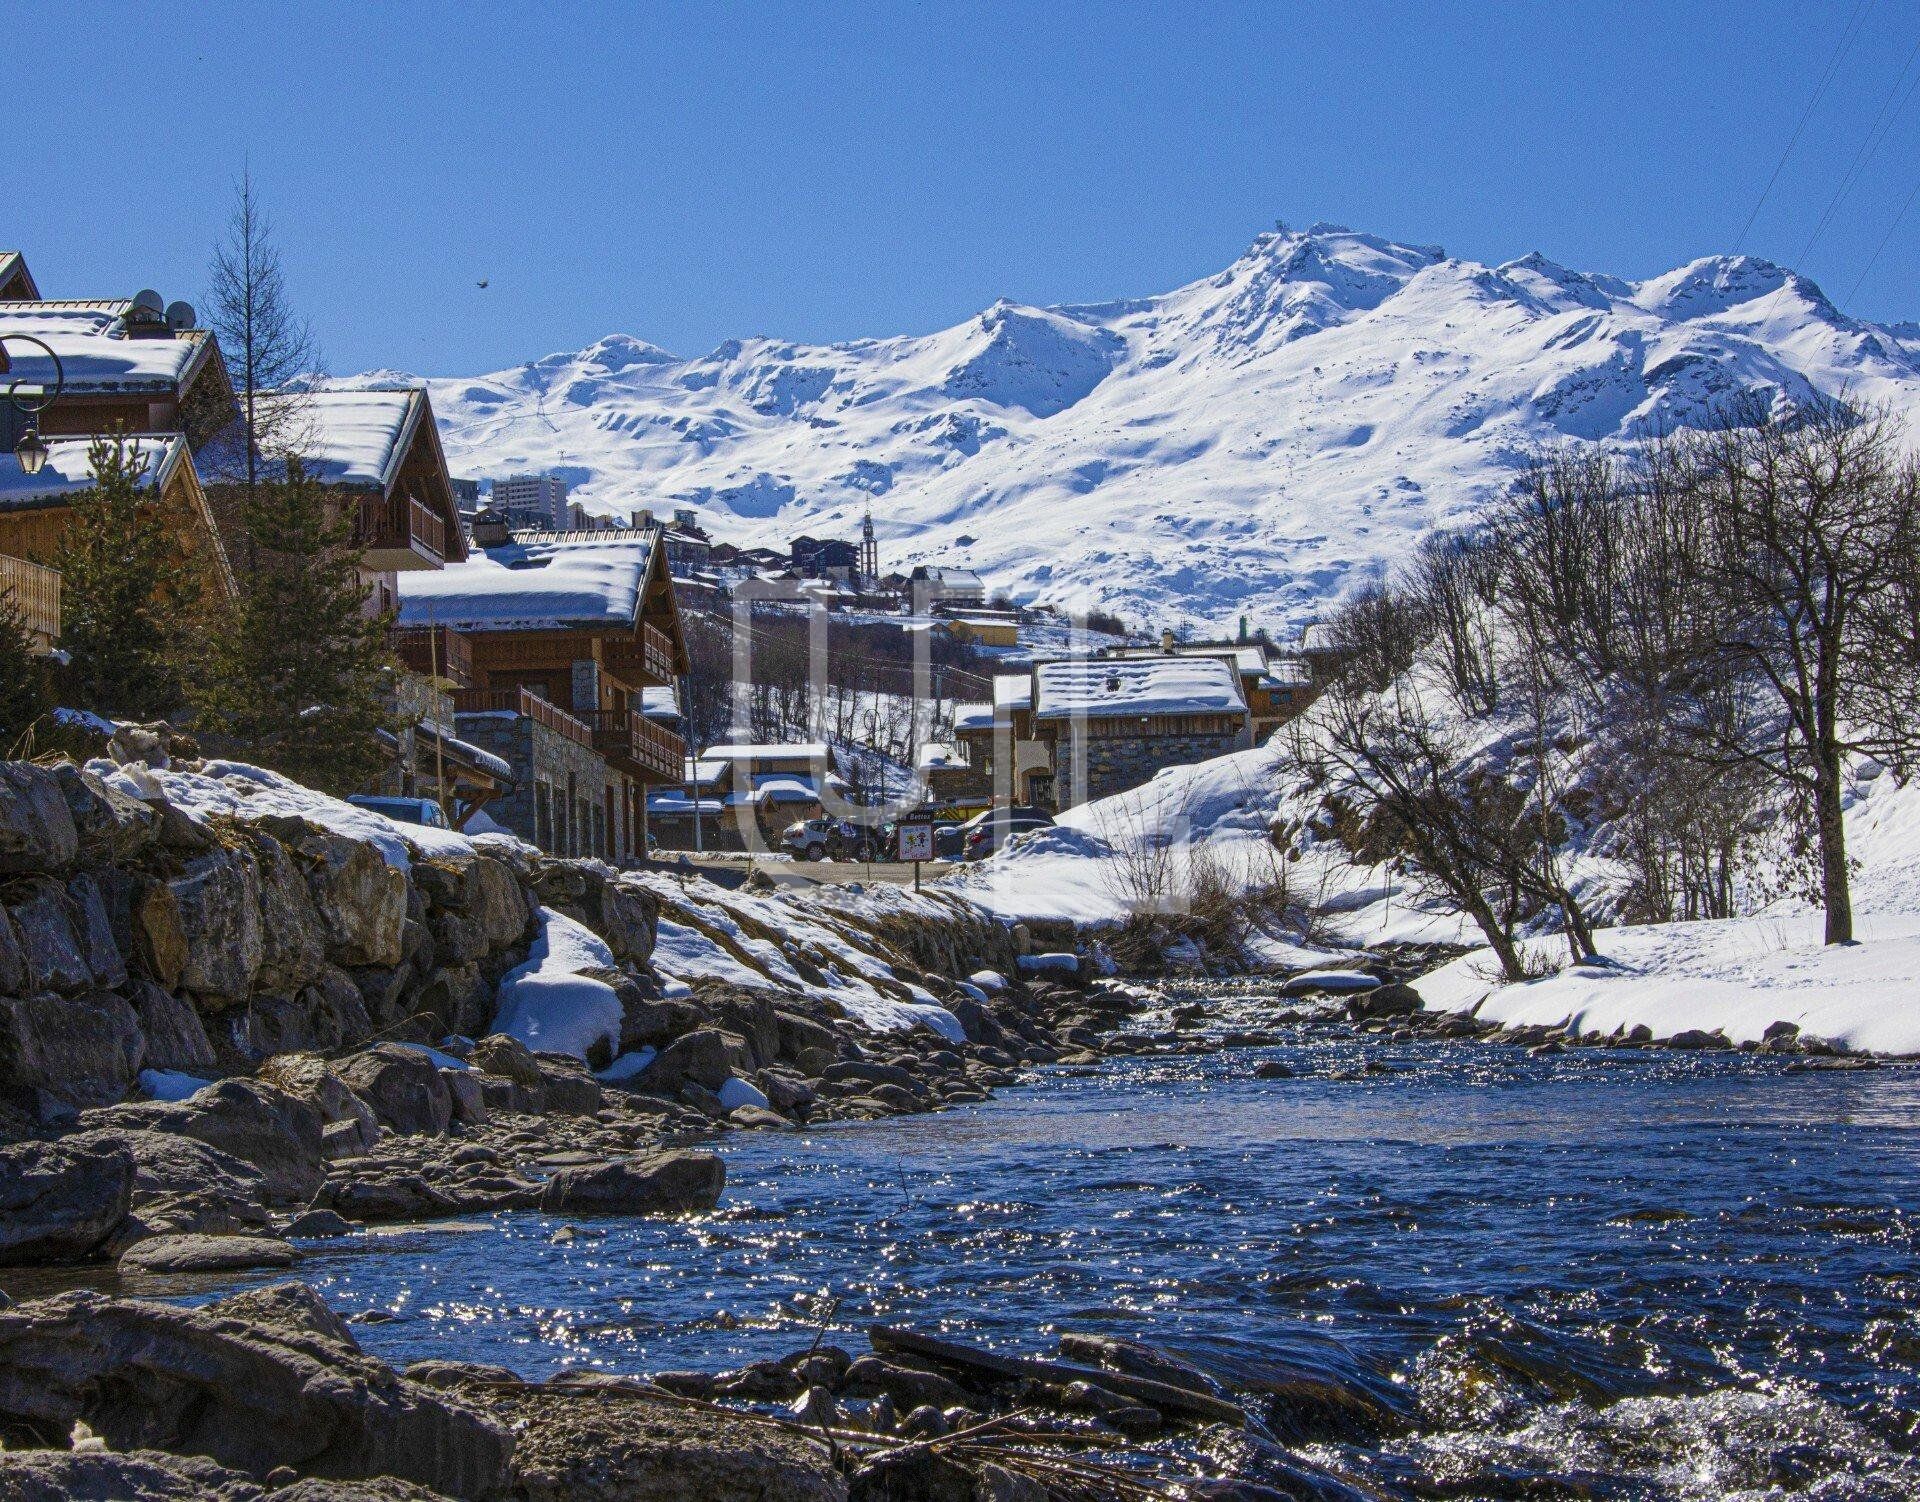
point(1601, 1273)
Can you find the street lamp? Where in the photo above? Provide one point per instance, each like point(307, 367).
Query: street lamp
point(31, 450)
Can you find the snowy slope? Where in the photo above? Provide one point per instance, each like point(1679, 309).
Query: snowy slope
point(1256, 440)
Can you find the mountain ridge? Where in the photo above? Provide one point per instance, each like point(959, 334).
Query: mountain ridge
point(1258, 441)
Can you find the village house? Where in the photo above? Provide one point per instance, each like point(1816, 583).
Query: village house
point(746, 794)
point(16, 282)
point(948, 588)
point(377, 452)
point(1001, 747)
point(561, 636)
point(1276, 685)
point(1112, 724)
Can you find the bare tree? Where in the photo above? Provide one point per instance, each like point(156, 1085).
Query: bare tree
point(1811, 520)
point(266, 344)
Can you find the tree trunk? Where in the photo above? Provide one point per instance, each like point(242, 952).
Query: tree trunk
point(1836, 891)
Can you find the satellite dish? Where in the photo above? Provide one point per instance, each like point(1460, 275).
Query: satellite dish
point(180, 315)
point(149, 299)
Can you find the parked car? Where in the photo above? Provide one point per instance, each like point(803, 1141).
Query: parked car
point(830, 839)
point(988, 832)
point(404, 810)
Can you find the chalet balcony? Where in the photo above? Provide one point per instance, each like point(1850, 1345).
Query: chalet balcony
point(637, 746)
point(646, 658)
point(437, 652)
point(522, 701)
point(34, 591)
point(398, 532)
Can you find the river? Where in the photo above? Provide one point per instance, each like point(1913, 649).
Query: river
point(1596, 1273)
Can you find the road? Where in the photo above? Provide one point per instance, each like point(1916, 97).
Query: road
point(732, 871)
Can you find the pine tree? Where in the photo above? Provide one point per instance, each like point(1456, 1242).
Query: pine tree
point(24, 691)
point(298, 678)
point(127, 612)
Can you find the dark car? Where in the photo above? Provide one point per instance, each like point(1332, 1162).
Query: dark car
point(987, 833)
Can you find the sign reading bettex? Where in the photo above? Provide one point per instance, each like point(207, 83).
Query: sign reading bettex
point(916, 842)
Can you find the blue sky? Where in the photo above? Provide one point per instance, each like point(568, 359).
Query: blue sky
point(693, 173)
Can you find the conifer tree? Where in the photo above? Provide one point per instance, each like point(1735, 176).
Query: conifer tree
point(299, 676)
point(24, 691)
point(127, 612)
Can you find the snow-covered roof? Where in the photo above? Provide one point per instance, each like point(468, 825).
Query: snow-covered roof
point(796, 751)
point(96, 353)
point(556, 582)
point(68, 469)
point(1013, 691)
point(1137, 686)
point(973, 717)
point(782, 787)
point(704, 772)
point(353, 438)
point(677, 801)
point(660, 702)
point(14, 265)
point(935, 756)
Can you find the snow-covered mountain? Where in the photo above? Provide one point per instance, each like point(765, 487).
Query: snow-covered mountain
point(1255, 442)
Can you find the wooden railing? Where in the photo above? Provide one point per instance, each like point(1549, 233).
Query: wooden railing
point(523, 701)
point(35, 592)
point(399, 521)
point(658, 750)
point(658, 650)
point(435, 650)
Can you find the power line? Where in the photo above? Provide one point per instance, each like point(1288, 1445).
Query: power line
point(1885, 241)
point(1870, 143)
point(1846, 40)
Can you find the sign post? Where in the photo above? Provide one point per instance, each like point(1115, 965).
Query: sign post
point(916, 845)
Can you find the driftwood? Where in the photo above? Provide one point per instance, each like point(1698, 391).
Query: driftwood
point(1164, 1396)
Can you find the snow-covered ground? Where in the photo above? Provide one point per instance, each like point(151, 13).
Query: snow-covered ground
point(1739, 975)
point(1257, 440)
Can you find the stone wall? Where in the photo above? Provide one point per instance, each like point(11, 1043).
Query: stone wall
point(560, 791)
point(1117, 763)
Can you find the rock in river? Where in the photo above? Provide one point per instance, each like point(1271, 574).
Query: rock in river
point(60, 1200)
point(658, 1184)
point(195, 1253)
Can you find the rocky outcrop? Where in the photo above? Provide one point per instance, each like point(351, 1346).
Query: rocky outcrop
point(60, 1201)
point(581, 1449)
point(264, 1380)
point(403, 1087)
point(277, 1133)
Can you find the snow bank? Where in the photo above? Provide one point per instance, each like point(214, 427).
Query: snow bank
point(548, 1004)
point(242, 791)
point(170, 1084)
point(1735, 976)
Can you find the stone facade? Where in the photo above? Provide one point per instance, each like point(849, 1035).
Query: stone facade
point(1115, 763)
point(563, 791)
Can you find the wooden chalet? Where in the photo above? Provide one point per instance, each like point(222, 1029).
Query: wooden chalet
point(16, 282)
point(568, 631)
point(34, 509)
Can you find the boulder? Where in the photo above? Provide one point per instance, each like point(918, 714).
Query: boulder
point(159, 933)
point(468, 1099)
point(36, 826)
point(175, 1036)
point(584, 1450)
point(312, 1079)
point(667, 1183)
point(360, 899)
point(59, 1201)
point(197, 1252)
point(181, 1186)
point(458, 998)
point(570, 1089)
point(264, 1380)
point(503, 1056)
point(909, 1386)
point(142, 1476)
point(396, 1194)
point(50, 938)
point(403, 1086)
point(293, 947)
point(112, 827)
point(217, 899)
point(62, 1054)
point(700, 1056)
point(476, 906)
point(1394, 999)
point(275, 1132)
point(93, 927)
